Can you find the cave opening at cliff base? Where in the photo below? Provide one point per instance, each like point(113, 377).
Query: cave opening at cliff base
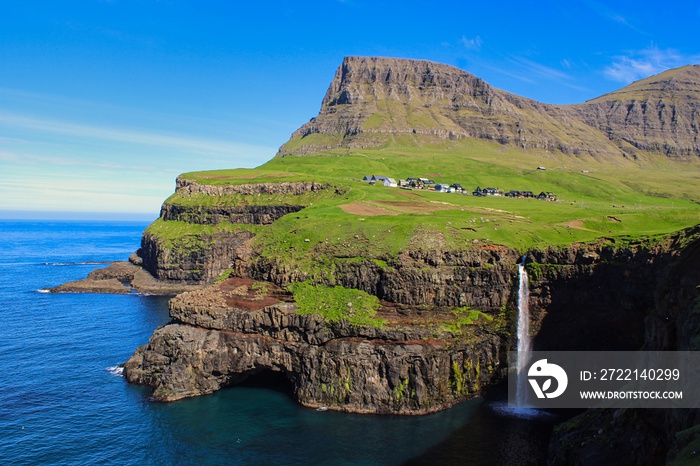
point(264, 378)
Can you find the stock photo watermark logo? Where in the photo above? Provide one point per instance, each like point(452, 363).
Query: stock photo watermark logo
point(546, 372)
point(604, 379)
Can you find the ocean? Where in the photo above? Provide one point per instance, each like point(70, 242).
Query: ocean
point(63, 400)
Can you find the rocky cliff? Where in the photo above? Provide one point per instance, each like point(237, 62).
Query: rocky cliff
point(223, 334)
point(658, 114)
point(479, 277)
point(419, 361)
point(668, 296)
point(202, 256)
point(374, 100)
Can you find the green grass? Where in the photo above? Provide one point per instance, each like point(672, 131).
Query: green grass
point(242, 200)
point(336, 303)
point(465, 317)
point(224, 276)
point(191, 235)
point(596, 200)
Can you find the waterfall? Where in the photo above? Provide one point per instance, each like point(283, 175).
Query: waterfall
point(523, 332)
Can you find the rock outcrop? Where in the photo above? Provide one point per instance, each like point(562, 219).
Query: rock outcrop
point(211, 215)
point(186, 187)
point(479, 277)
point(225, 333)
point(198, 262)
point(657, 114)
point(124, 278)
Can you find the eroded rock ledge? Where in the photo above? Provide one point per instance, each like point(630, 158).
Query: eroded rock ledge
point(186, 188)
point(227, 332)
point(211, 215)
point(124, 278)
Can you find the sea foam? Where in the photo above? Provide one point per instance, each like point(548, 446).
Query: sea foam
point(116, 371)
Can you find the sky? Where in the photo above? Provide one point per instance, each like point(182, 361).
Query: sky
point(104, 102)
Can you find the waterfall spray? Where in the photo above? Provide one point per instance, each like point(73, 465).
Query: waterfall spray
point(524, 344)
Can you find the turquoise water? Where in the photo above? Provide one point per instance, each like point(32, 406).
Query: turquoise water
point(62, 400)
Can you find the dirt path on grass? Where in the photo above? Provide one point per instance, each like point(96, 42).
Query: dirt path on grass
point(360, 208)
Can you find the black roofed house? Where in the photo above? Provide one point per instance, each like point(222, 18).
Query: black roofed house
point(367, 178)
point(546, 196)
point(528, 194)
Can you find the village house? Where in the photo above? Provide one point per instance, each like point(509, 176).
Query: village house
point(482, 192)
point(374, 178)
point(444, 188)
point(425, 183)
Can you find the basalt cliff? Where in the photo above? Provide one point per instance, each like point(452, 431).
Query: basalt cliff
point(439, 274)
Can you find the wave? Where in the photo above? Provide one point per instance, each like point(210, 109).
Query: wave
point(117, 371)
point(43, 290)
point(69, 264)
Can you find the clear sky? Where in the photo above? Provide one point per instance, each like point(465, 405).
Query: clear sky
point(104, 102)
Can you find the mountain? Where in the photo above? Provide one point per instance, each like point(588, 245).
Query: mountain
point(657, 114)
point(373, 101)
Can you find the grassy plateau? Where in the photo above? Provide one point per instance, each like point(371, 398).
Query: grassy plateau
point(625, 200)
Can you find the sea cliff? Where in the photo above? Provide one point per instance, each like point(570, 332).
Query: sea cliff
point(584, 297)
point(612, 254)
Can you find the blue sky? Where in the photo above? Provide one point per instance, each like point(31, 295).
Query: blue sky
point(104, 102)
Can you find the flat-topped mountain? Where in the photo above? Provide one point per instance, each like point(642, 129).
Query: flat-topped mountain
point(373, 101)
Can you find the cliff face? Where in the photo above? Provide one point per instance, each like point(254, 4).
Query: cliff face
point(479, 277)
point(658, 114)
point(372, 100)
point(585, 297)
point(226, 333)
point(202, 257)
point(669, 299)
point(201, 261)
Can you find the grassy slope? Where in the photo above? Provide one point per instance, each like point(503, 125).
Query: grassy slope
point(604, 201)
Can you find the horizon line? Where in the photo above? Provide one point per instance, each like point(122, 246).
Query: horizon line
point(76, 215)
